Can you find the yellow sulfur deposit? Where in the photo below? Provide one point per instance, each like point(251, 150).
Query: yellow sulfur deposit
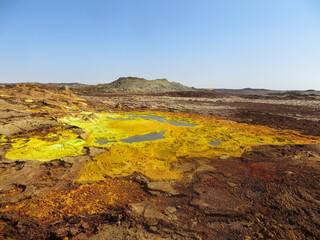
point(125, 159)
point(129, 149)
point(154, 158)
point(113, 126)
point(55, 144)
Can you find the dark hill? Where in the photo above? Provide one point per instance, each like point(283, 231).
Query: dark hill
point(133, 84)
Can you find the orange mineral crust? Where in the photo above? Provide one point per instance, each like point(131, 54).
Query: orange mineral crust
point(85, 199)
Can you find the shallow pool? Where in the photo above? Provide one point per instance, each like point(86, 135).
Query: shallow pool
point(145, 137)
point(181, 123)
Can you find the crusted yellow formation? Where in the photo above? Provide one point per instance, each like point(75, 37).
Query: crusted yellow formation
point(125, 159)
point(152, 158)
point(113, 126)
point(55, 144)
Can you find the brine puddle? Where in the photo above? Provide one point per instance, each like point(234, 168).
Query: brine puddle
point(139, 138)
point(145, 137)
point(103, 141)
point(148, 136)
point(181, 123)
point(215, 143)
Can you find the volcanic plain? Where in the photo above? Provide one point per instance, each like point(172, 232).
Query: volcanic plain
point(84, 162)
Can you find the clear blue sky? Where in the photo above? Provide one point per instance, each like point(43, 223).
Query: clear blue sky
point(271, 44)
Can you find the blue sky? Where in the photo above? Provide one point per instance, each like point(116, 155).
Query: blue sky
point(271, 44)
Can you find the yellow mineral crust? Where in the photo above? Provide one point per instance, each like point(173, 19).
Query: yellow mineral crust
point(154, 158)
point(209, 137)
point(125, 159)
point(85, 199)
point(109, 126)
point(55, 144)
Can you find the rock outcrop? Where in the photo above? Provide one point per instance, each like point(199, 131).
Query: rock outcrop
point(133, 84)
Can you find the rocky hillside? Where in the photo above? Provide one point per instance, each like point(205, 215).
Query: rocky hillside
point(133, 84)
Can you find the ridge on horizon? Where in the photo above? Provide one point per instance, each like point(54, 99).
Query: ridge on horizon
point(131, 78)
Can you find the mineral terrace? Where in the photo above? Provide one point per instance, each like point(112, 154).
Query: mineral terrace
point(83, 163)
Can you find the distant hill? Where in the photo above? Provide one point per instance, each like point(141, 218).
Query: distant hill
point(137, 85)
